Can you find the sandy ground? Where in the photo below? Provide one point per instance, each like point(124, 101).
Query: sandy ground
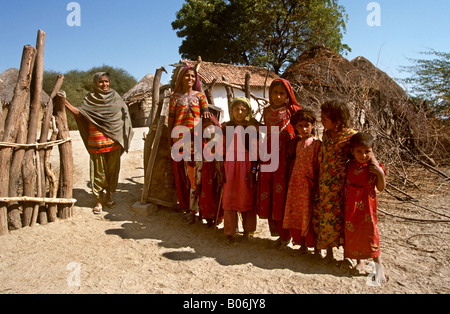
point(121, 251)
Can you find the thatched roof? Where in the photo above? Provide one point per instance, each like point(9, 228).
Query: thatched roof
point(143, 89)
point(8, 81)
point(320, 74)
point(235, 74)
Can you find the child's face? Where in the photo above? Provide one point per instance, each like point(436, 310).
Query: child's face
point(240, 112)
point(327, 123)
point(362, 153)
point(279, 96)
point(304, 129)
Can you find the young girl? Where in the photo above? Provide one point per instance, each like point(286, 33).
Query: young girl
point(364, 173)
point(273, 185)
point(328, 215)
point(239, 191)
point(187, 103)
point(302, 182)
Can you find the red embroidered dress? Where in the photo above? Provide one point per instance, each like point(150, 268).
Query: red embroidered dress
point(362, 240)
point(299, 201)
point(273, 186)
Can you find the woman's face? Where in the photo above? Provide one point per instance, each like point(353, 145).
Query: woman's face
point(188, 79)
point(103, 83)
point(240, 112)
point(279, 96)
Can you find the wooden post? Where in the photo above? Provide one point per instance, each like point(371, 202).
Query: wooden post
point(48, 114)
point(230, 93)
point(66, 157)
point(247, 85)
point(29, 166)
point(155, 93)
point(209, 92)
point(11, 126)
point(14, 220)
point(152, 158)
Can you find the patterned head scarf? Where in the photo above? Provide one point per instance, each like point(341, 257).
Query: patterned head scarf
point(245, 102)
point(179, 85)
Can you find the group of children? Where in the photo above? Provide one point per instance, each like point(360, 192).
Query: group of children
point(321, 196)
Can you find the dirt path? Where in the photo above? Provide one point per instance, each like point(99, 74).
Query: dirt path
point(123, 252)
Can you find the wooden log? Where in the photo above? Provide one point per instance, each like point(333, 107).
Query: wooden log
point(45, 128)
point(29, 165)
point(52, 211)
point(151, 136)
point(14, 220)
point(247, 85)
point(155, 93)
point(209, 92)
point(38, 200)
point(16, 106)
point(230, 93)
point(152, 158)
point(66, 157)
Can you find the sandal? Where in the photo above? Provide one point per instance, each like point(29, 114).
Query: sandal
point(97, 209)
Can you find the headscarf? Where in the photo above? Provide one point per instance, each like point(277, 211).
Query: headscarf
point(107, 111)
point(179, 85)
point(293, 104)
point(244, 101)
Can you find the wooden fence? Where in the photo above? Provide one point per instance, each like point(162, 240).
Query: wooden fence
point(30, 193)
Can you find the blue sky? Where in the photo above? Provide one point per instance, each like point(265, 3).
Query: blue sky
point(136, 35)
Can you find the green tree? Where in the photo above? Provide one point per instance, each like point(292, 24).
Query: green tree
point(78, 83)
point(258, 32)
point(430, 81)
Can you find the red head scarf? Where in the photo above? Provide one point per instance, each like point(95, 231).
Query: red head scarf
point(179, 85)
point(293, 104)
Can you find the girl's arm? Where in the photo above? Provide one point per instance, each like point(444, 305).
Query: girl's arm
point(376, 169)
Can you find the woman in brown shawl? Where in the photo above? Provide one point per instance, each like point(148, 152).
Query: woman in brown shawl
point(105, 127)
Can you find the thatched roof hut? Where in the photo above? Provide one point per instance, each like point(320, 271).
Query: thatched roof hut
point(320, 74)
point(139, 100)
point(8, 82)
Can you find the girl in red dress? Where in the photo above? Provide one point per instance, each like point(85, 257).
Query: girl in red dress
point(302, 181)
point(273, 186)
point(239, 190)
point(364, 173)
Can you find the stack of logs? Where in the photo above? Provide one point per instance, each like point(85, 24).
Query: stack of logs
point(24, 157)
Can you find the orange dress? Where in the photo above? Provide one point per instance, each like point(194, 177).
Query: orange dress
point(299, 200)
